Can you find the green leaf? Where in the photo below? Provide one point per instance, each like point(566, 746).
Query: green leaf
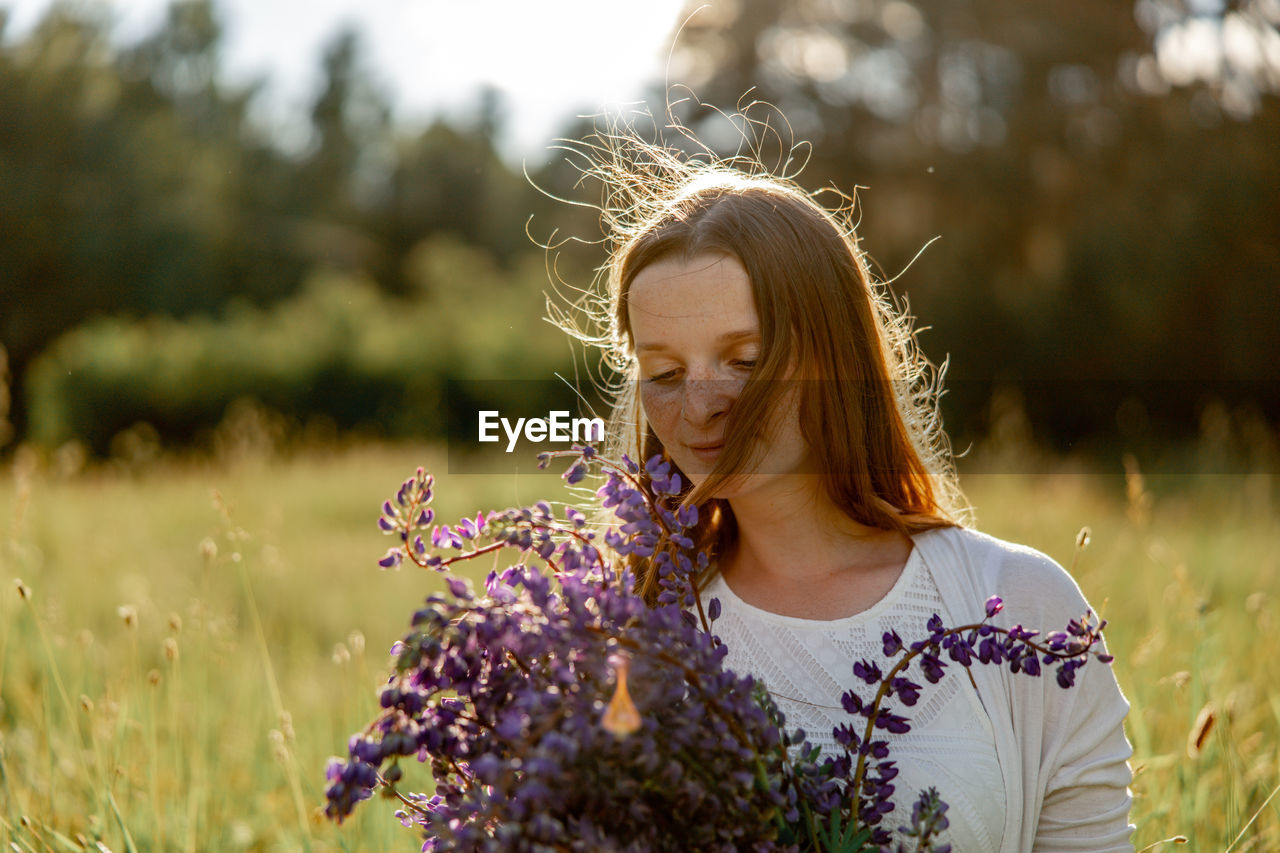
point(836, 837)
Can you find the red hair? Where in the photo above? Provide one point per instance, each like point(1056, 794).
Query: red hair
point(867, 396)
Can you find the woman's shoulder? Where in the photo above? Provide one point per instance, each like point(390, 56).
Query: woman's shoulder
point(1032, 584)
point(985, 553)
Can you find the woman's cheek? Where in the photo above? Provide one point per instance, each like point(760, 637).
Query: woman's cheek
point(661, 408)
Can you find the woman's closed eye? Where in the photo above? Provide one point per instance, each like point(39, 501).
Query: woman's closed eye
point(668, 377)
point(664, 378)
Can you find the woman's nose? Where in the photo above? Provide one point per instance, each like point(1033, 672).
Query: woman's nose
point(706, 399)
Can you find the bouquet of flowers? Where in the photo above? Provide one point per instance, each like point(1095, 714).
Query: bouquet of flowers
point(560, 712)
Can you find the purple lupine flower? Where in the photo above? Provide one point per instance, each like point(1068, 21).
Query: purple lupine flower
point(1028, 663)
point(906, 690)
point(932, 667)
point(493, 662)
point(928, 818)
point(867, 671)
point(1067, 673)
point(852, 702)
point(959, 648)
point(894, 723)
point(990, 650)
point(502, 694)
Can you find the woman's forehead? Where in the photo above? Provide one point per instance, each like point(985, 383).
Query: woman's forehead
point(707, 298)
point(702, 285)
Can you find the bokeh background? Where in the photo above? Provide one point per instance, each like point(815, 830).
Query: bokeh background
point(245, 250)
point(178, 235)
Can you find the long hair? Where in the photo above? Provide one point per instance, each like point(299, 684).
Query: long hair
point(867, 395)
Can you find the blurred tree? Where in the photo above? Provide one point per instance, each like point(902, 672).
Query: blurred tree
point(345, 171)
point(450, 179)
point(130, 181)
point(133, 182)
point(66, 182)
point(180, 61)
point(1102, 175)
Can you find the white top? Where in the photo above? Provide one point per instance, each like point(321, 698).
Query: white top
point(807, 664)
point(1023, 764)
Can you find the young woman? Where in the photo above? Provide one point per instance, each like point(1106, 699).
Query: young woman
point(765, 363)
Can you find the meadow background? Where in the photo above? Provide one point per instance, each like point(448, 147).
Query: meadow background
point(227, 335)
point(190, 640)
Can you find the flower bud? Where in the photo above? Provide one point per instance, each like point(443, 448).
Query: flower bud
point(1199, 733)
point(713, 609)
point(621, 717)
point(286, 726)
point(279, 751)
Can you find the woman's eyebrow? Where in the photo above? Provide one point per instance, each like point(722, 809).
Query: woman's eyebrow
point(726, 338)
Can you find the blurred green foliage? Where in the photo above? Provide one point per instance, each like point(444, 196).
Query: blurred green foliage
point(1108, 203)
point(168, 257)
point(339, 349)
point(1106, 215)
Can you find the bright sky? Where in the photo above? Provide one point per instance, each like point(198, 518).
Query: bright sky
point(551, 59)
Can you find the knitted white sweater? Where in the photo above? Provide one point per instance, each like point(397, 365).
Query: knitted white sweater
point(1023, 764)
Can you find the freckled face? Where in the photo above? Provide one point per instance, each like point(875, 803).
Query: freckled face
point(697, 338)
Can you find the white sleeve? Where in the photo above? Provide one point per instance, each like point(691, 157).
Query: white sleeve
point(1084, 772)
point(1086, 795)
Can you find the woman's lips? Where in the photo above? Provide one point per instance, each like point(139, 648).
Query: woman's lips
point(706, 452)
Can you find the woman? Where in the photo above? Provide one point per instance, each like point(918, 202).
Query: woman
point(779, 380)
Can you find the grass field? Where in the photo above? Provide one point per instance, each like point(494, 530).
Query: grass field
point(190, 643)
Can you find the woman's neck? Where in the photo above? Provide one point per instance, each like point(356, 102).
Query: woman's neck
point(794, 534)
